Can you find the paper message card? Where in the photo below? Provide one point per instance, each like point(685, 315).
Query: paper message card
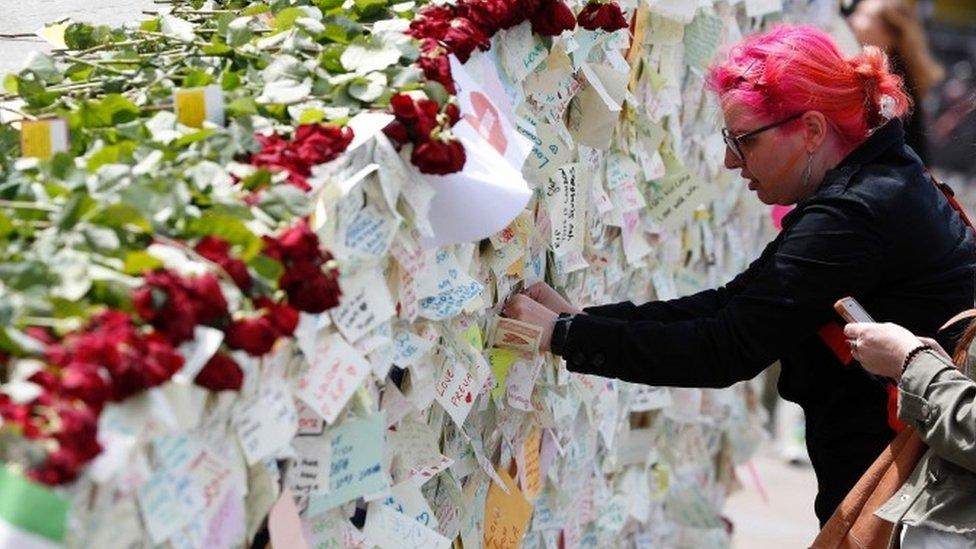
point(266, 423)
point(389, 529)
point(365, 304)
point(566, 203)
point(336, 372)
point(357, 458)
point(42, 138)
point(506, 515)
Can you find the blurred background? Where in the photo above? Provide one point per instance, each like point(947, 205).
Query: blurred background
point(933, 45)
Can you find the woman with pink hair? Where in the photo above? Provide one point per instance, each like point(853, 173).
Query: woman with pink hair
point(805, 126)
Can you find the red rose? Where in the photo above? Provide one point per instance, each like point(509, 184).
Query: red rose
point(432, 21)
point(492, 15)
point(210, 302)
point(255, 335)
point(427, 110)
point(84, 381)
point(439, 157)
point(283, 317)
point(397, 133)
point(165, 301)
point(218, 250)
point(403, 106)
point(220, 373)
point(600, 15)
point(277, 154)
point(463, 36)
point(308, 288)
point(78, 431)
point(436, 65)
point(320, 143)
point(271, 248)
point(299, 243)
point(552, 18)
point(61, 466)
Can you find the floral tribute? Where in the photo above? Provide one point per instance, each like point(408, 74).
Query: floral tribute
point(116, 254)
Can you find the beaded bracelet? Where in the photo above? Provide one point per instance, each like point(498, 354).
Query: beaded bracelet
point(912, 354)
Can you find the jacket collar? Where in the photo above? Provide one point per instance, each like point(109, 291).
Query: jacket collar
point(880, 141)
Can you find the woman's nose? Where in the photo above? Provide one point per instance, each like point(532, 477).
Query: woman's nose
point(731, 160)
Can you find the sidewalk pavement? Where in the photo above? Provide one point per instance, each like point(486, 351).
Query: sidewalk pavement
point(784, 519)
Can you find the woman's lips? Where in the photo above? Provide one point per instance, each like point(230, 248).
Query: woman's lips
point(753, 185)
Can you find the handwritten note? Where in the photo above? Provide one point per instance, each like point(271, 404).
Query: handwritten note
point(506, 515)
point(566, 203)
point(701, 40)
point(309, 474)
point(336, 372)
point(357, 463)
point(455, 288)
point(521, 51)
point(266, 423)
point(371, 232)
point(386, 527)
point(365, 304)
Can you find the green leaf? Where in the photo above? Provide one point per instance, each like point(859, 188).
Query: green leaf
point(368, 88)
point(255, 9)
point(6, 226)
point(112, 110)
point(121, 216)
point(327, 5)
point(285, 19)
point(242, 106)
point(197, 78)
point(139, 262)
point(194, 137)
point(111, 154)
point(267, 268)
point(367, 55)
point(10, 83)
point(329, 59)
point(77, 206)
point(370, 8)
point(285, 201)
point(311, 116)
point(257, 180)
point(151, 25)
point(78, 72)
point(230, 80)
point(80, 36)
point(228, 227)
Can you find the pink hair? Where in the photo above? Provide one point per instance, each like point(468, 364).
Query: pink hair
point(793, 69)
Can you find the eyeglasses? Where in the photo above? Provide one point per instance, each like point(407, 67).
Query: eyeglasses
point(732, 141)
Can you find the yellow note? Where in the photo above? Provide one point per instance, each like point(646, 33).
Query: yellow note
point(506, 515)
point(501, 361)
point(531, 475)
point(473, 337)
point(191, 107)
point(35, 138)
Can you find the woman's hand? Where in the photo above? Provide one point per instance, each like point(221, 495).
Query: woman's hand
point(542, 293)
point(524, 308)
point(881, 348)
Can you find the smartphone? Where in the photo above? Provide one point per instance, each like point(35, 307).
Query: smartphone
point(851, 310)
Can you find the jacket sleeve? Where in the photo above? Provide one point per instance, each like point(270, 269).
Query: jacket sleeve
point(702, 304)
point(941, 403)
point(833, 249)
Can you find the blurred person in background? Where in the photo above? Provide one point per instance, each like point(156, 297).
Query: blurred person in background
point(893, 26)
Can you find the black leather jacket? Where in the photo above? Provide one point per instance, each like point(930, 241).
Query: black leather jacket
point(877, 229)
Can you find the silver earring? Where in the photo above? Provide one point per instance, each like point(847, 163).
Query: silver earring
point(808, 170)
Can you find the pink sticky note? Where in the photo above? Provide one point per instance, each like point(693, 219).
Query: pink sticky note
point(284, 524)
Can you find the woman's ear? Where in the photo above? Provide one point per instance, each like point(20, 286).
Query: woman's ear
point(815, 129)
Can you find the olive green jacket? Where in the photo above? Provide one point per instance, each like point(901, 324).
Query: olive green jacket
point(940, 402)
